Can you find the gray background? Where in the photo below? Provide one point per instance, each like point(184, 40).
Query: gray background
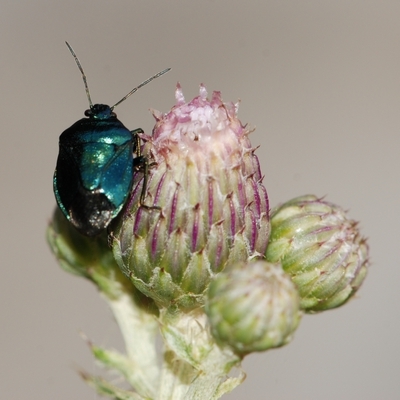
point(320, 80)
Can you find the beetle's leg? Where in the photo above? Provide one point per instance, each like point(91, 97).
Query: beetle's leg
point(143, 166)
point(136, 141)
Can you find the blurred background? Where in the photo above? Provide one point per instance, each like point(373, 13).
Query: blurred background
point(320, 82)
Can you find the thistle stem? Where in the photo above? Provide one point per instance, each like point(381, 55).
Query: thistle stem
point(139, 331)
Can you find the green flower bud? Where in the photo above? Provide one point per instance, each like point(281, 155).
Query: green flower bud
point(91, 258)
point(213, 208)
point(76, 253)
point(320, 248)
point(253, 307)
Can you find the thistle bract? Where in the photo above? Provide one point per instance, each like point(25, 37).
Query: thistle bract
point(320, 248)
point(213, 208)
point(253, 307)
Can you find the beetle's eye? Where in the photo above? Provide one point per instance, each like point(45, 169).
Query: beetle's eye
point(88, 113)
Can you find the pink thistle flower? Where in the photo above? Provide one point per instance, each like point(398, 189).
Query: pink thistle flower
point(213, 207)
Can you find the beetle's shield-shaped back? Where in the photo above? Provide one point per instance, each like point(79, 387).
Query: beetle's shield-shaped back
point(94, 173)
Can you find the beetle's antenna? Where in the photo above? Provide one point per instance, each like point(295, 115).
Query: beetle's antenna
point(83, 74)
point(138, 87)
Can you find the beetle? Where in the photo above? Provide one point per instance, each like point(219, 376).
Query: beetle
point(96, 164)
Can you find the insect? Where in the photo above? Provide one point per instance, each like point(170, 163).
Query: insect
point(95, 166)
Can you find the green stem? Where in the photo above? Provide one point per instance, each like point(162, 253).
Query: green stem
point(139, 330)
point(194, 366)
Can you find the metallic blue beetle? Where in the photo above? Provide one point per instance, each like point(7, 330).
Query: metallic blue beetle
point(96, 164)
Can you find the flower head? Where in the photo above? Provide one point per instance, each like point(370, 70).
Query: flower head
point(320, 248)
point(213, 208)
point(253, 307)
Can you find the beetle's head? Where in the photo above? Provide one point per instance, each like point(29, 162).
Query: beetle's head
point(100, 111)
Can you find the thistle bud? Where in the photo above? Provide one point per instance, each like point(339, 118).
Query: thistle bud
point(212, 208)
point(76, 253)
point(92, 259)
point(321, 249)
point(253, 307)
